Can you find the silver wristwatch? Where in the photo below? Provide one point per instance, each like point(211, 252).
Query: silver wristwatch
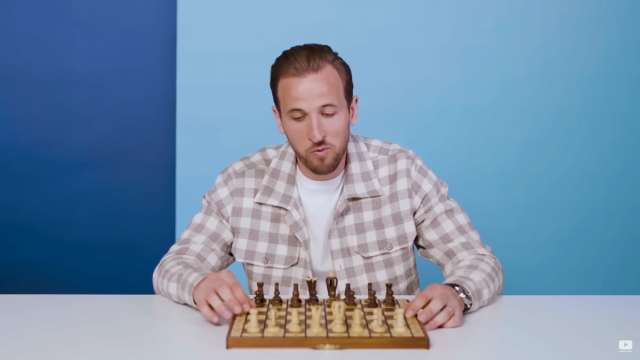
point(463, 294)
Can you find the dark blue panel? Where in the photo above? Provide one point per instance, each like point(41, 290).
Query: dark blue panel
point(87, 144)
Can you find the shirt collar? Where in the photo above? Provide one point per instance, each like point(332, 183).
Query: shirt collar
point(278, 184)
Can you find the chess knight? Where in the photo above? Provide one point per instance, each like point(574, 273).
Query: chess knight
point(328, 200)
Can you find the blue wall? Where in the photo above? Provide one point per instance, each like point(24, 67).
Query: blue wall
point(528, 109)
point(87, 144)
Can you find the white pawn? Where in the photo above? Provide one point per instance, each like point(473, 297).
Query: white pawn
point(399, 323)
point(378, 322)
point(294, 324)
point(315, 328)
point(272, 323)
point(252, 325)
point(356, 322)
point(338, 324)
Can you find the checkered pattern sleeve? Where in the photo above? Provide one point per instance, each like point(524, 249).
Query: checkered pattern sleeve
point(202, 248)
point(446, 237)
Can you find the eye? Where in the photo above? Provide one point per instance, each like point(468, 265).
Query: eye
point(331, 114)
point(298, 118)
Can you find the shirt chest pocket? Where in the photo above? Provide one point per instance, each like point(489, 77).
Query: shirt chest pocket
point(382, 247)
point(268, 252)
point(395, 240)
point(385, 257)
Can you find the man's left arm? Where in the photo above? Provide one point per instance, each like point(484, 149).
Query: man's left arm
point(446, 236)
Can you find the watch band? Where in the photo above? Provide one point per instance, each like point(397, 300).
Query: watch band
point(463, 294)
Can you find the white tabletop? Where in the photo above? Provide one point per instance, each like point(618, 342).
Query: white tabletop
point(152, 327)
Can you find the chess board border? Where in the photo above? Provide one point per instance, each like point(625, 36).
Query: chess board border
point(327, 342)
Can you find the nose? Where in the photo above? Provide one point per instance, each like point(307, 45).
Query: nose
point(316, 130)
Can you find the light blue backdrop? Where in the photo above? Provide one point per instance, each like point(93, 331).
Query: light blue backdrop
point(529, 110)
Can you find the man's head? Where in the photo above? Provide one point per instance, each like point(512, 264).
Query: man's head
point(314, 107)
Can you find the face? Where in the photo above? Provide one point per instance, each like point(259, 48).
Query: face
point(315, 117)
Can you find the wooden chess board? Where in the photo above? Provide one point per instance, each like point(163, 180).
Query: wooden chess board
point(239, 336)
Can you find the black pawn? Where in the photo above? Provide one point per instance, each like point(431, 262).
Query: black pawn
point(389, 301)
point(372, 301)
point(295, 298)
point(349, 295)
point(332, 286)
point(276, 300)
point(259, 296)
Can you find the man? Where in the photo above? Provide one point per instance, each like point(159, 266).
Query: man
point(328, 201)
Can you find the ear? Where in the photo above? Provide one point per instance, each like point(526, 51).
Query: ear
point(276, 115)
point(353, 110)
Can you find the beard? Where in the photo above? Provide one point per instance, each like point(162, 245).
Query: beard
point(322, 165)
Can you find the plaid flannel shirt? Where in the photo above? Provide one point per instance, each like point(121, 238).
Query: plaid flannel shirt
point(391, 206)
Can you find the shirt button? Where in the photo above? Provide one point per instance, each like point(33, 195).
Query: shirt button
point(389, 247)
point(266, 259)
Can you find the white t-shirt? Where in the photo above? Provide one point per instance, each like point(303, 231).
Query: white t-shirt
point(319, 200)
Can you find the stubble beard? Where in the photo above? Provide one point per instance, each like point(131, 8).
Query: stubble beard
point(320, 166)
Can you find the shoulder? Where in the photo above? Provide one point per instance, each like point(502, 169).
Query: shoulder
point(394, 163)
point(385, 152)
point(247, 170)
point(258, 161)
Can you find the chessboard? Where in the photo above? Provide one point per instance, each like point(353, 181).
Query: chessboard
point(332, 323)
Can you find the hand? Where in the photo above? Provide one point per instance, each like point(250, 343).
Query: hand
point(219, 295)
point(443, 307)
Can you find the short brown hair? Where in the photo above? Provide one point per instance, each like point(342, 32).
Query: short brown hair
point(309, 58)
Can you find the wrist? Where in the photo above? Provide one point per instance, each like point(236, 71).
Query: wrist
point(197, 283)
point(463, 295)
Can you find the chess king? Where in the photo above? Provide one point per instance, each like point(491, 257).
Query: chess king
point(328, 200)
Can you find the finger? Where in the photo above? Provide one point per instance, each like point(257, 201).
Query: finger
point(431, 310)
point(442, 317)
point(229, 299)
point(418, 303)
point(236, 288)
point(208, 313)
point(456, 320)
point(240, 295)
point(218, 306)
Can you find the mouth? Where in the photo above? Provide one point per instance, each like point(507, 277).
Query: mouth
point(322, 150)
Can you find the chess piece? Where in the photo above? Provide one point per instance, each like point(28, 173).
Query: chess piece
point(294, 322)
point(252, 325)
point(356, 327)
point(338, 323)
point(349, 295)
point(389, 301)
point(337, 309)
point(259, 299)
point(272, 324)
point(295, 298)
point(313, 291)
point(276, 299)
point(372, 301)
point(399, 323)
point(332, 285)
point(315, 328)
point(377, 325)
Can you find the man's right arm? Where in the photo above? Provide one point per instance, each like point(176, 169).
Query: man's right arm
point(204, 247)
